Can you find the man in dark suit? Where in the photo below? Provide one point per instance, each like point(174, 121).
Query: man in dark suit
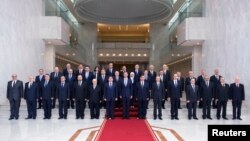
point(66, 70)
point(200, 82)
point(216, 81)
point(207, 95)
point(117, 79)
point(167, 75)
point(94, 100)
point(31, 94)
point(55, 79)
point(158, 95)
point(142, 95)
point(165, 82)
point(137, 73)
point(182, 83)
point(63, 93)
point(174, 91)
point(133, 81)
point(122, 71)
point(80, 71)
point(222, 96)
point(237, 94)
point(14, 95)
point(80, 95)
point(110, 71)
point(47, 96)
point(152, 75)
point(188, 80)
point(193, 96)
point(110, 96)
point(70, 79)
point(40, 80)
point(102, 80)
point(126, 94)
point(88, 76)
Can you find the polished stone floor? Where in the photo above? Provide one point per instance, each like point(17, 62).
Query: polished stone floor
point(63, 130)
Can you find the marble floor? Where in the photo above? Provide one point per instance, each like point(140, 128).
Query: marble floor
point(63, 130)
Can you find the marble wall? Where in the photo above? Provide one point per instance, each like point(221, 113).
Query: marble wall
point(22, 51)
point(227, 43)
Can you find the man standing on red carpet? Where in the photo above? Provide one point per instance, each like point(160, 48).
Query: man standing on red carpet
point(158, 95)
point(110, 96)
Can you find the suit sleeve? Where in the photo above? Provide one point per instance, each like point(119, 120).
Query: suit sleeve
point(187, 92)
point(21, 89)
point(68, 91)
point(243, 92)
point(104, 92)
point(231, 91)
point(25, 92)
point(8, 91)
point(163, 92)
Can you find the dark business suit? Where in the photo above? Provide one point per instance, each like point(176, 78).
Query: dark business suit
point(118, 81)
point(110, 94)
point(80, 94)
point(39, 80)
point(167, 76)
point(174, 91)
point(222, 96)
point(206, 95)
point(216, 82)
point(94, 101)
point(200, 82)
point(31, 94)
point(126, 93)
point(47, 95)
point(110, 72)
point(182, 83)
point(192, 96)
point(63, 93)
point(102, 80)
point(237, 94)
point(188, 82)
point(142, 94)
point(158, 94)
point(78, 72)
point(88, 79)
point(55, 80)
point(71, 81)
point(14, 95)
point(164, 80)
point(138, 74)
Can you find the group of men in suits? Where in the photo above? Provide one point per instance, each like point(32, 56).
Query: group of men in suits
point(109, 88)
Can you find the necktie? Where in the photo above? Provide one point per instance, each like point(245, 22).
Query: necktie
point(207, 84)
point(41, 77)
point(125, 82)
point(158, 85)
point(193, 88)
point(70, 75)
point(142, 84)
point(110, 84)
point(46, 83)
point(62, 84)
point(79, 83)
point(30, 85)
point(55, 74)
point(103, 77)
point(175, 83)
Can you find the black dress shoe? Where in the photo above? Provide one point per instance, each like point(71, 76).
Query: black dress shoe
point(44, 118)
point(163, 107)
point(218, 118)
point(60, 118)
point(11, 118)
point(234, 118)
point(34, 117)
point(179, 108)
point(172, 118)
point(196, 118)
point(28, 118)
point(176, 118)
point(154, 118)
point(82, 117)
point(65, 117)
point(92, 118)
point(189, 118)
point(77, 117)
point(16, 118)
point(160, 118)
point(209, 118)
point(203, 117)
point(239, 118)
point(225, 118)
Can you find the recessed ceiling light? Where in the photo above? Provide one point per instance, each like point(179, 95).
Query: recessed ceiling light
point(126, 54)
point(67, 54)
point(49, 42)
point(101, 54)
point(172, 54)
point(120, 54)
point(178, 55)
point(107, 54)
point(138, 54)
point(198, 43)
point(73, 54)
point(145, 54)
point(132, 54)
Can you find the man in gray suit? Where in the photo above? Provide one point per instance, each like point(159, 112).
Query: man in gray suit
point(14, 95)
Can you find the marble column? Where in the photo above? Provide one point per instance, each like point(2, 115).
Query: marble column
point(196, 60)
point(49, 58)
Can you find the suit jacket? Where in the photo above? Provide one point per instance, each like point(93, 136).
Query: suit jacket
point(47, 91)
point(77, 72)
point(31, 93)
point(109, 73)
point(126, 91)
point(182, 83)
point(237, 93)
point(188, 82)
point(152, 77)
point(110, 93)
point(95, 94)
point(222, 93)
point(71, 82)
point(63, 92)
point(55, 79)
point(167, 75)
point(89, 79)
point(192, 95)
point(39, 83)
point(66, 73)
point(15, 92)
point(137, 75)
point(142, 93)
point(207, 92)
point(215, 80)
point(158, 93)
point(80, 92)
point(118, 84)
point(174, 91)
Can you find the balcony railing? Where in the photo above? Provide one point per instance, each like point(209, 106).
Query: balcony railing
point(123, 45)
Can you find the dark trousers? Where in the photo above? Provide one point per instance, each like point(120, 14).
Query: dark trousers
point(80, 108)
point(201, 104)
point(192, 109)
point(125, 106)
point(110, 105)
point(47, 108)
point(223, 105)
point(31, 106)
point(142, 108)
point(174, 107)
point(63, 108)
point(214, 104)
point(14, 108)
point(54, 102)
point(39, 102)
point(206, 109)
point(71, 103)
point(157, 105)
point(118, 103)
point(94, 109)
point(236, 108)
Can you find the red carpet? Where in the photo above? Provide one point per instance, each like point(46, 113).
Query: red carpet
point(125, 130)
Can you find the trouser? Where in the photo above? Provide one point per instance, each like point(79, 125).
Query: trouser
point(206, 109)
point(214, 104)
point(47, 108)
point(142, 108)
point(39, 102)
point(63, 108)
point(94, 110)
point(223, 105)
point(14, 108)
point(192, 109)
point(125, 105)
point(174, 107)
point(80, 108)
point(110, 105)
point(54, 102)
point(71, 102)
point(237, 108)
point(118, 103)
point(31, 107)
point(157, 105)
